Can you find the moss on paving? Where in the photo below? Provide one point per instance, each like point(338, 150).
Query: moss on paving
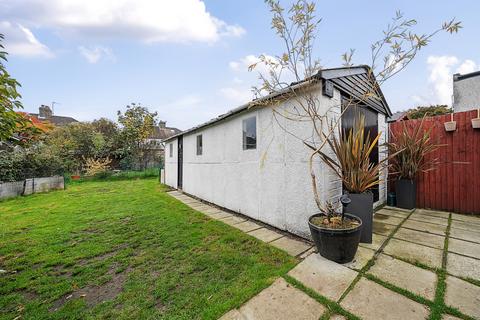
point(165, 259)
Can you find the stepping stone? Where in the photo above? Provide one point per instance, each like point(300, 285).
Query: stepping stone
point(461, 266)
point(377, 241)
point(466, 226)
point(466, 218)
point(382, 228)
point(247, 226)
point(264, 234)
point(371, 301)
point(465, 234)
point(425, 227)
point(423, 238)
point(291, 246)
point(464, 247)
point(430, 219)
point(362, 256)
point(326, 277)
point(464, 296)
point(441, 214)
point(221, 215)
point(277, 302)
point(232, 220)
point(394, 213)
point(405, 275)
point(200, 207)
point(387, 219)
point(414, 252)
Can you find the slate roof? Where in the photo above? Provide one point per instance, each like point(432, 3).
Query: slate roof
point(163, 133)
point(56, 120)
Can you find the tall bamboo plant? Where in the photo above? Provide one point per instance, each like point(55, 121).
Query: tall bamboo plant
point(411, 146)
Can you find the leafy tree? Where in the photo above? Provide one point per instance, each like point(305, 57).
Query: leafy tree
point(137, 126)
point(429, 111)
point(9, 100)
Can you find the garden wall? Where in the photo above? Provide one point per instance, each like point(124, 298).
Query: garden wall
point(29, 186)
point(454, 185)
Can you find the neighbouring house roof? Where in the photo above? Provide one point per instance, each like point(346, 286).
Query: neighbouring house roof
point(56, 120)
point(353, 81)
point(458, 76)
point(398, 116)
point(162, 132)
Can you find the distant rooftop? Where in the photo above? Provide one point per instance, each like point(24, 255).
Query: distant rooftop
point(46, 114)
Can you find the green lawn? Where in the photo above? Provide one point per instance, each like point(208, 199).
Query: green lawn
point(128, 243)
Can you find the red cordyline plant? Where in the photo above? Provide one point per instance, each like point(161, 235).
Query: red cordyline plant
point(417, 144)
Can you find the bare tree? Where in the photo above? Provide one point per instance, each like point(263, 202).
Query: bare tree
point(290, 74)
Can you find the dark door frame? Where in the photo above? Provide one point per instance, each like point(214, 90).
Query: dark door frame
point(180, 162)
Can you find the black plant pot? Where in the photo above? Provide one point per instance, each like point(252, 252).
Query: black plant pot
point(362, 207)
point(406, 193)
point(339, 245)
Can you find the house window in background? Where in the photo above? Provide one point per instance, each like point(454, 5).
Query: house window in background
point(250, 133)
point(199, 145)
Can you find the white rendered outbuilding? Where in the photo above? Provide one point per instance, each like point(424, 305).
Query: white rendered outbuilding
point(266, 177)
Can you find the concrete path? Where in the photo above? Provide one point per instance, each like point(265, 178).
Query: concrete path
point(291, 245)
point(398, 276)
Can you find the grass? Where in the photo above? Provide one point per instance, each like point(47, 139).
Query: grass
point(122, 175)
point(129, 243)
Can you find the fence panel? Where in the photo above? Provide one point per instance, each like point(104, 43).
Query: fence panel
point(454, 185)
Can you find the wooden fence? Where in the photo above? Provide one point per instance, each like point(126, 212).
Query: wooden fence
point(454, 185)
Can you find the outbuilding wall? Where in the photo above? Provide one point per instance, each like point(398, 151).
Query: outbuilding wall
point(272, 183)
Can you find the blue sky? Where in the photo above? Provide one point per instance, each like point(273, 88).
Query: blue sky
point(186, 59)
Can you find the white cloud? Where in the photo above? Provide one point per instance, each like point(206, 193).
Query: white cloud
point(244, 63)
point(146, 20)
point(467, 66)
point(237, 95)
point(94, 54)
point(441, 77)
point(21, 41)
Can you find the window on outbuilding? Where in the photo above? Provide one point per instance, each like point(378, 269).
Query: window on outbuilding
point(250, 133)
point(199, 145)
point(170, 146)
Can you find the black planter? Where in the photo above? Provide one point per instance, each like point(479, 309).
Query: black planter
point(339, 245)
point(362, 207)
point(406, 193)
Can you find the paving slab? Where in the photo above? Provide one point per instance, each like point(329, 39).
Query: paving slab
point(465, 234)
point(405, 275)
point(277, 302)
point(247, 226)
point(464, 296)
point(394, 213)
point(414, 252)
point(398, 209)
point(221, 215)
point(441, 214)
point(377, 241)
point(310, 251)
point(362, 256)
point(464, 247)
point(462, 266)
point(464, 225)
point(430, 219)
point(371, 301)
point(233, 220)
point(292, 246)
point(382, 228)
point(337, 317)
point(466, 218)
point(425, 227)
point(449, 317)
point(387, 219)
point(264, 234)
point(420, 237)
point(326, 277)
point(200, 207)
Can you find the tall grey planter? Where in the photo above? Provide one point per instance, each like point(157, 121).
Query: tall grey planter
point(362, 207)
point(406, 193)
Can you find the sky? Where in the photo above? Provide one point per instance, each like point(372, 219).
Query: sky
point(188, 59)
